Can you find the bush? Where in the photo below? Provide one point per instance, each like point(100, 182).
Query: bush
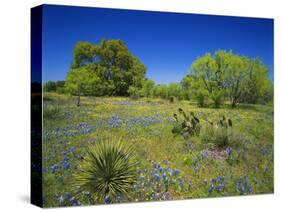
point(134, 92)
point(217, 98)
point(50, 111)
point(201, 98)
point(172, 99)
point(220, 134)
point(108, 170)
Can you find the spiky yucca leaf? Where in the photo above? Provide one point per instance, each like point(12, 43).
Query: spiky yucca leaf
point(108, 171)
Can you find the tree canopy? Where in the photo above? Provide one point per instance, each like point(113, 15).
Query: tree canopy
point(110, 69)
point(225, 74)
point(111, 65)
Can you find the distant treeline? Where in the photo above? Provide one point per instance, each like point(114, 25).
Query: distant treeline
point(55, 86)
point(110, 69)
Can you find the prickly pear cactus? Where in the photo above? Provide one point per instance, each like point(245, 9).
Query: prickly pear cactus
point(223, 122)
point(186, 125)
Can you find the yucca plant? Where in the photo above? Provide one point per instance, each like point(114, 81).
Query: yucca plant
point(108, 170)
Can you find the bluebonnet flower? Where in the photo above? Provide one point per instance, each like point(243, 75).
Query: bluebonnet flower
point(168, 170)
point(147, 182)
point(211, 189)
point(181, 182)
point(228, 151)
point(118, 199)
point(157, 177)
point(176, 172)
point(107, 200)
point(161, 195)
point(54, 168)
point(158, 166)
point(204, 154)
point(221, 178)
point(220, 188)
point(248, 186)
point(195, 159)
point(168, 196)
point(166, 162)
point(165, 178)
point(66, 165)
point(74, 202)
point(161, 169)
point(214, 180)
point(196, 168)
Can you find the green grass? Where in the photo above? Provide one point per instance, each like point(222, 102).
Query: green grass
point(147, 125)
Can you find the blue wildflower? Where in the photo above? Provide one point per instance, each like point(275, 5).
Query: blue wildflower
point(157, 177)
point(214, 180)
point(118, 199)
point(166, 162)
point(66, 165)
point(107, 200)
point(196, 168)
point(176, 172)
point(204, 154)
point(181, 182)
point(168, 196)
point(211, 189)
point(165, 178)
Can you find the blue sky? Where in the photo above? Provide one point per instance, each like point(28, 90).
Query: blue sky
point(166, 43)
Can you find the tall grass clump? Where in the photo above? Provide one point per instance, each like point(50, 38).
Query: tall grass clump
point(222, 134)
point(50, 111)
point(108, 170)
point(218, 133)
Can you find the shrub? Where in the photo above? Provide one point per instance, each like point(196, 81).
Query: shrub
point(218, 133)
point(108, 170)
point(172, 99)
point(201, 98)
point(217, 98)
point(50, 111)
point(134, 92)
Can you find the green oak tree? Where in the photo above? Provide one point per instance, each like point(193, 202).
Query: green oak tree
point(118, 68)
point(83, 82)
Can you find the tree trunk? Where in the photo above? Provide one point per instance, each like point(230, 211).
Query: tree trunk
point(233, 104)
point(78, 101)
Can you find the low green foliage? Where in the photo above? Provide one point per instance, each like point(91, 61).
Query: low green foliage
point(170, 165)
point(50, 111)
point(221, 133)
